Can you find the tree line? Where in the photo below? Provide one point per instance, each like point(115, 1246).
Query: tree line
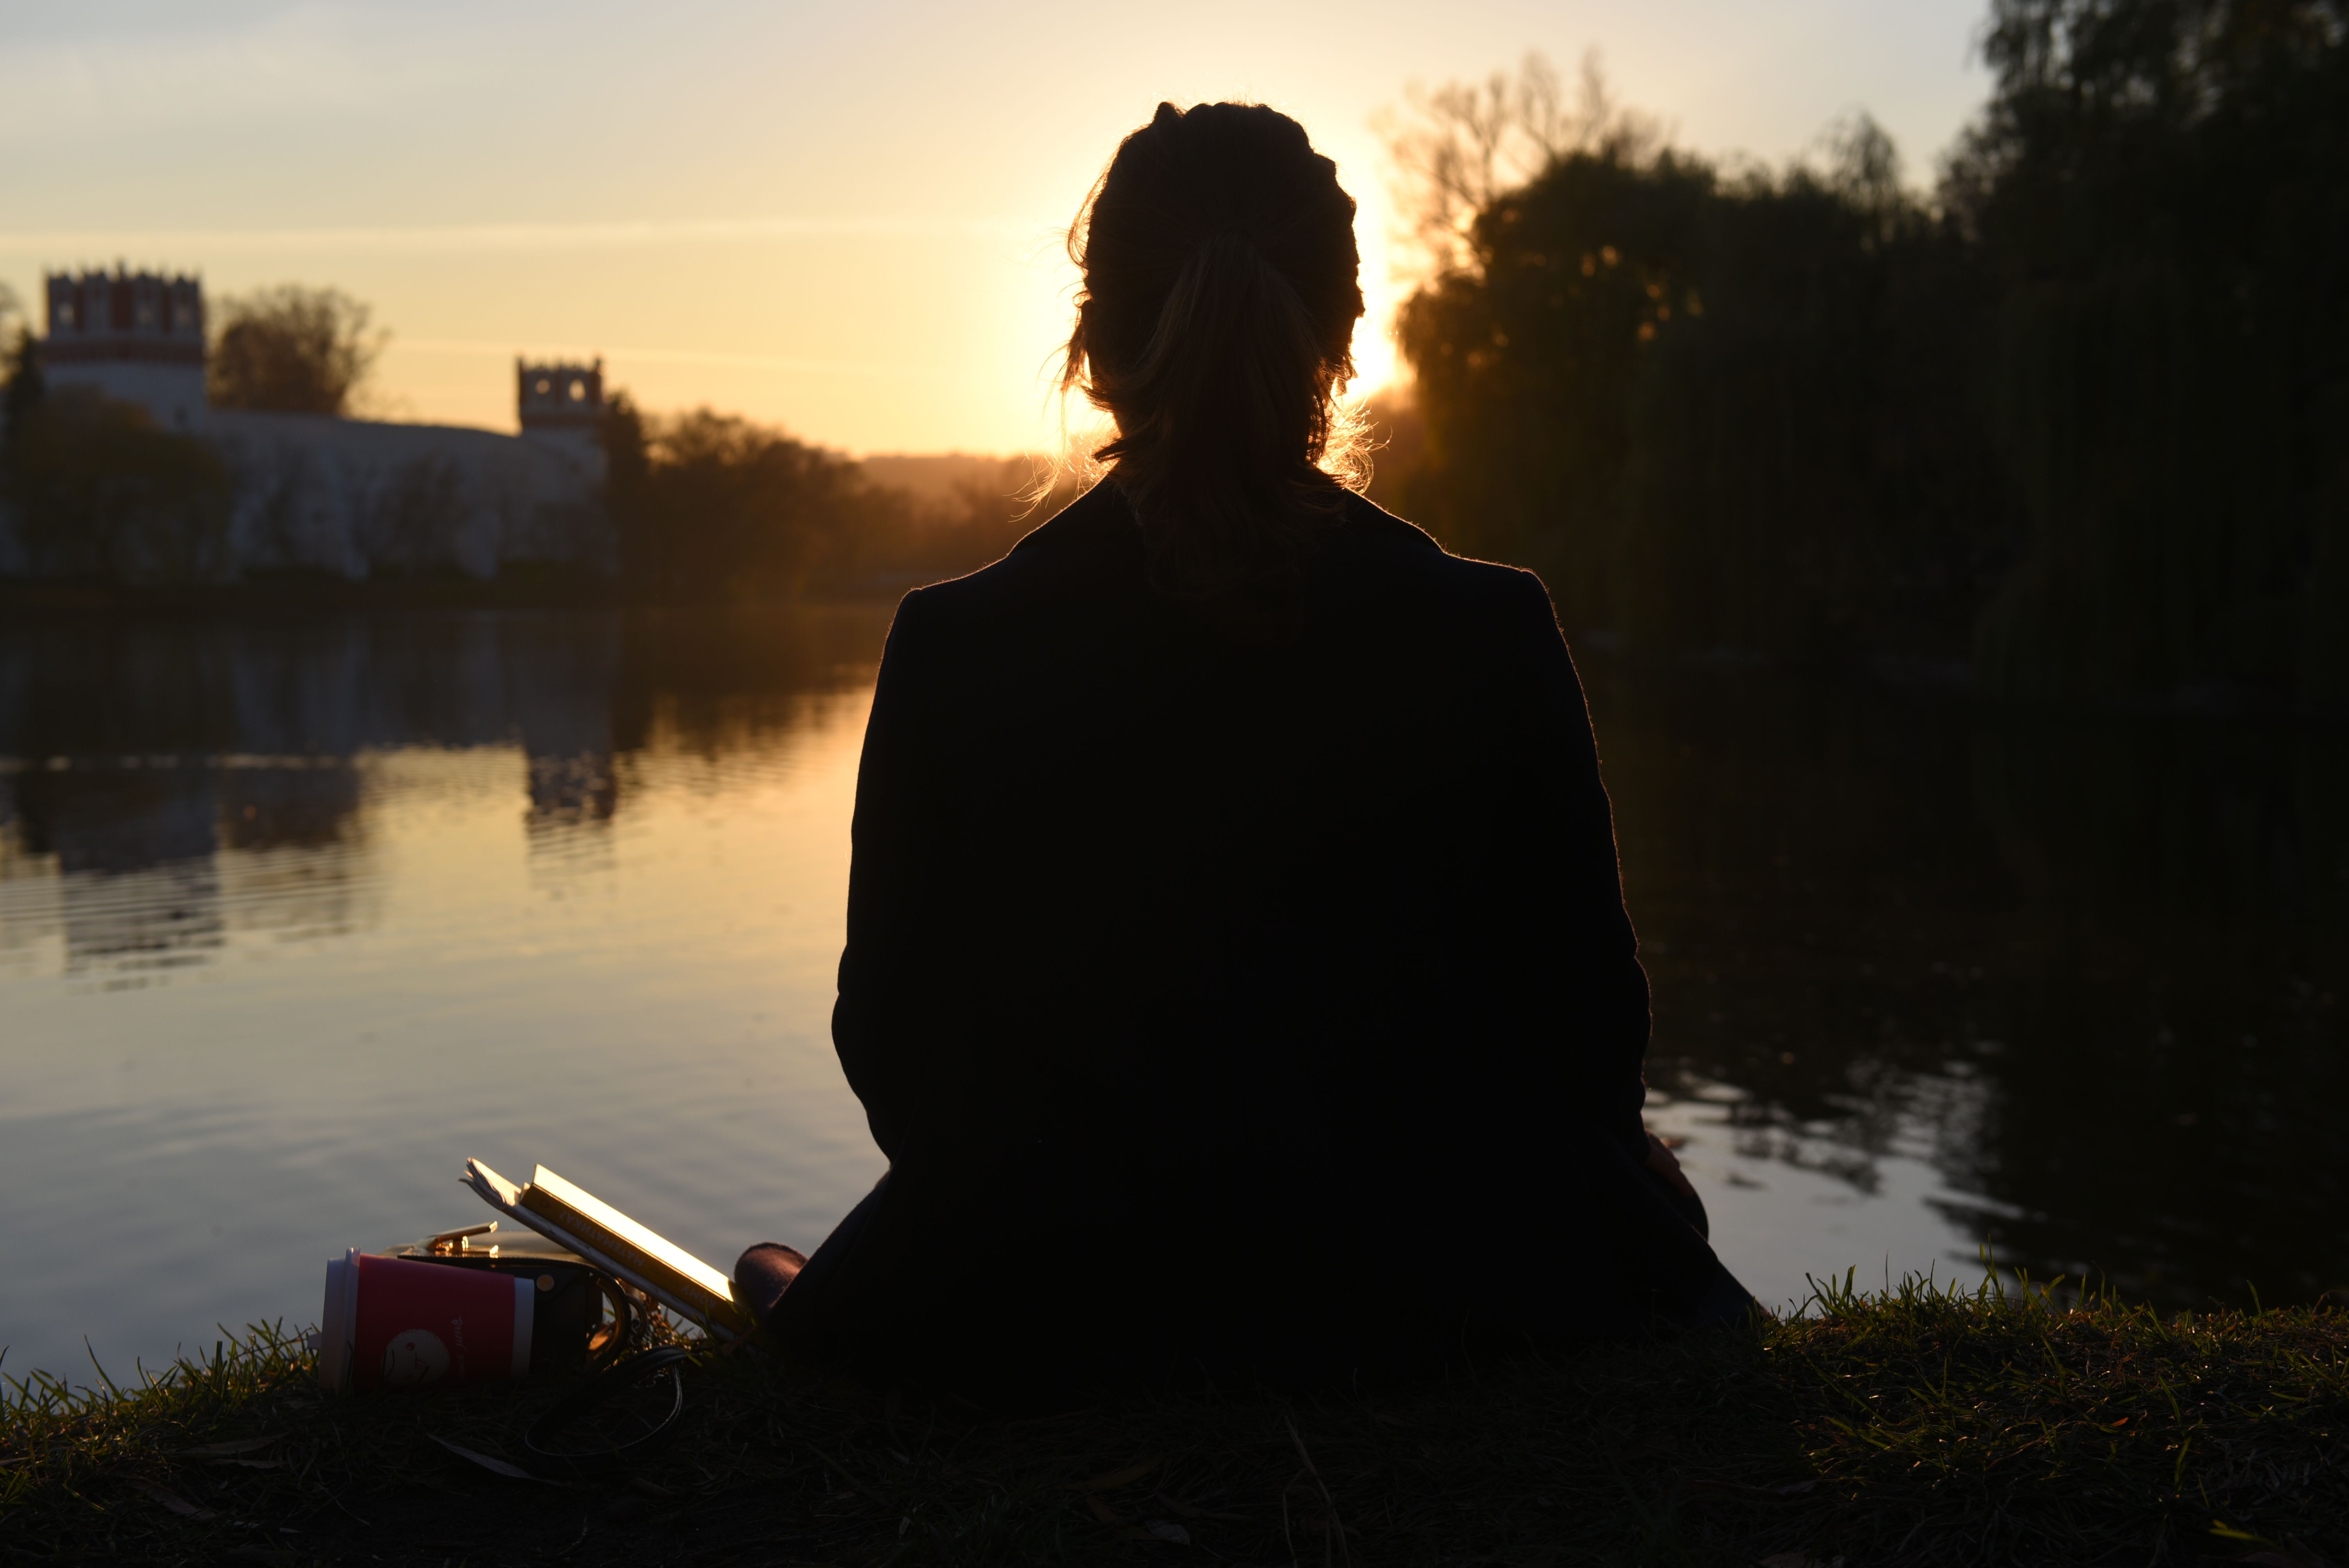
point(713, 506)
point(2073, 417)
point(707, 507)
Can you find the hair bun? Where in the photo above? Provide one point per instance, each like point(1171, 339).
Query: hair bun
point(1216, 326)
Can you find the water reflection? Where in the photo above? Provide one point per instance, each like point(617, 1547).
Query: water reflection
point(2087, 970)
point(141, 759)
point(296, 915)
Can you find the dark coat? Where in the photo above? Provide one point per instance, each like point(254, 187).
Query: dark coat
point(1264, 1012)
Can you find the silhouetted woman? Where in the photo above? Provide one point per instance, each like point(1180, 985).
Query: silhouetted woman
point(1237, 975)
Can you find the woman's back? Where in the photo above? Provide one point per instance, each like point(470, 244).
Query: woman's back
point(1193, 980)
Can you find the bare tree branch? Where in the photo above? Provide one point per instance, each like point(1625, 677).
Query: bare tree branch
point(1457, 149)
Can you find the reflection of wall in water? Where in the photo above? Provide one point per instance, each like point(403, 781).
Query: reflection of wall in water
point(575, 776)
point(259, 817)
point(295, 859)
point(111, 818)
point(330, 686)
point(182, 780)
point(313, 805)
point(568, 824)
point(155, 864)
point(133, 850)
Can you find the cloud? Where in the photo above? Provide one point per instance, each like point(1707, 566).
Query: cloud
point(461, 238)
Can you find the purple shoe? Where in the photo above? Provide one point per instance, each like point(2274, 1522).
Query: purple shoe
point(763, 1274)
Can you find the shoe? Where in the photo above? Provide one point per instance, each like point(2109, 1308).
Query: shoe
point(763, 1274)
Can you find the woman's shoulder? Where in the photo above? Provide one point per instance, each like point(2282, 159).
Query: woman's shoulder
point(1385, 545)
point(1092, 531)
point(1087, 559)
point(1076, 560)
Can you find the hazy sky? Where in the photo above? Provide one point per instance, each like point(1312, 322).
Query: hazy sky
point(841, 217)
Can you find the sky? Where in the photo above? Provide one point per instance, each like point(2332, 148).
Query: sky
point(845, 220)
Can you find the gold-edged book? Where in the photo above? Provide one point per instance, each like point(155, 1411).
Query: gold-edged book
point(571, 1217)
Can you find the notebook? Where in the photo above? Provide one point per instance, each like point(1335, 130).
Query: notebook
point(571, 1217)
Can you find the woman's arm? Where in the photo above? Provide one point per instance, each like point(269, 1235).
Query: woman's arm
point(1590, 996)
point(894, 1024)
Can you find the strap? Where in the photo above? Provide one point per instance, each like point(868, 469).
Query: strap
point(566, 1441)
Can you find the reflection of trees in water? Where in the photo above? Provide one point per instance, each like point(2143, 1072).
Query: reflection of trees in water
point(2095, 968)
point(1940, 1117)
point(182, 777)
point(713, 682)
point(2186, 886)
point(562, 685)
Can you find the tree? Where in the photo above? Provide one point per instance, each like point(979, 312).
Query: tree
point(293, 350)
point(2080, 414)
point(21, 384)
point(1461, 147)
point(2163, 188)
point(1713, 412)
point(712, 507)
point(101, 493)
point(20, 367)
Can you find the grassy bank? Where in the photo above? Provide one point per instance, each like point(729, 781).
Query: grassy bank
point(1914, 1427)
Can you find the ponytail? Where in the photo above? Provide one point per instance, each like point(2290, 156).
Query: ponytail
point(1220, 297)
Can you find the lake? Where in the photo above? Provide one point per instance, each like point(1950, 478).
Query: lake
point(299, 913)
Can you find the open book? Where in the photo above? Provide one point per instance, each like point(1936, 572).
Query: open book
point(575, 1219)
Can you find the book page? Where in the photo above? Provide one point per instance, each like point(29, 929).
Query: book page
point(654, 1245)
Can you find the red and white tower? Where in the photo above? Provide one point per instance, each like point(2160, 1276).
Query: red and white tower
point(135, 336)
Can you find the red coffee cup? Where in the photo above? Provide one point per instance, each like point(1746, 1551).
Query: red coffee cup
point(394, 1323)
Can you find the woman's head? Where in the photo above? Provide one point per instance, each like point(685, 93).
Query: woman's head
point(1219, 302)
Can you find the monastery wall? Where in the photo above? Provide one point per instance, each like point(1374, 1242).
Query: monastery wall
point(311, 492)
point(356, 499)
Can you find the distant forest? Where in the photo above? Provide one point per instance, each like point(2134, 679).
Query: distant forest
point(2079, 418)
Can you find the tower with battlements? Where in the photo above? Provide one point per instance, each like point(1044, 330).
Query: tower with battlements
point(135, 336)
point(562, 406)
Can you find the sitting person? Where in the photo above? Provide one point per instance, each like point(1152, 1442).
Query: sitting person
point(1237, 976)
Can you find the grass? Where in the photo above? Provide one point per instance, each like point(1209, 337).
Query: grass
point(1919, 1426)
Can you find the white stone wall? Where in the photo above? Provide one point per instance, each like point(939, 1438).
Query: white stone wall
point(580, 445)
point(356, 498)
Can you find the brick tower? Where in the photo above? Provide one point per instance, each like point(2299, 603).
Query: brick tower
point(136, 337)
